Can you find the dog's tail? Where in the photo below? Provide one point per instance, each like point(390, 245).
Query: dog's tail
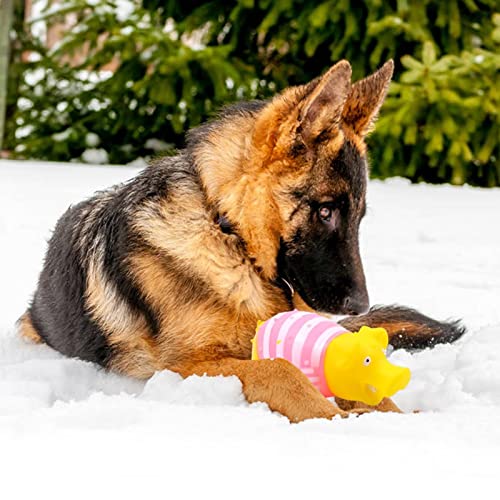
point(407, 328)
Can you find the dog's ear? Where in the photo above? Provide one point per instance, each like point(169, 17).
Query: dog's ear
point(321, 108)
point(366, 98)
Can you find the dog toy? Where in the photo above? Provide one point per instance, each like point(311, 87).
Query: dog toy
point(350, 365)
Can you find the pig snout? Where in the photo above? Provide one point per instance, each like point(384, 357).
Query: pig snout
point(398, 379)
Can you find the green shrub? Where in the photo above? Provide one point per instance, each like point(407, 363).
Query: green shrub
point(440, 122)
point(160, 88)
point(179, 61)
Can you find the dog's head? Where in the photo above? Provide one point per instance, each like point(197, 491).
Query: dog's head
point(291, 175)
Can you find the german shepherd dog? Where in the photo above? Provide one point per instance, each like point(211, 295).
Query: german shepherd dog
point(257, 215)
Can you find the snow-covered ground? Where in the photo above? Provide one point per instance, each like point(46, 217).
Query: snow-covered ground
point(68, 429)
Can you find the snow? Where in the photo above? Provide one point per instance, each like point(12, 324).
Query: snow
point(63, 135)
point(95, 155)
point(69, 428)
point(34, 76)
point(158, 145)
point(124, 9)
point(25, 131)
point(92, 140)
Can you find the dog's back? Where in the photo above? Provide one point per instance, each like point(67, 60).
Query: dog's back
point(86, 274)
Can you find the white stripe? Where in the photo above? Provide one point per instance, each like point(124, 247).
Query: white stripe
point(320, 344)
point(298, 343)
point(285, 327)
point(265, 337)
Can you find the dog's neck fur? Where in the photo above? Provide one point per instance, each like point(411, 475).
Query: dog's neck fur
point(235, 186)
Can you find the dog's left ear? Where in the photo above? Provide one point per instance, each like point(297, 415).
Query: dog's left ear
point(366, 98)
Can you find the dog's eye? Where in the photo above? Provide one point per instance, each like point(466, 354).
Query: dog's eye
point(325, 213)
point(328, 215)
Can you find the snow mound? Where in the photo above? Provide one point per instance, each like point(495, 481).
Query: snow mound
point(453, 376)
point(171, 388)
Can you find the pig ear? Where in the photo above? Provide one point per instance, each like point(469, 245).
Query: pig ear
point(321, 109)
point(379, 335)
point(366, 98)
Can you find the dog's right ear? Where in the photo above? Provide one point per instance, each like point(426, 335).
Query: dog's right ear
point(321, 108)
point(365, 99)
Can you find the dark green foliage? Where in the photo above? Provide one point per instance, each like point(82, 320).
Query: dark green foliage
point(18, 43)
point(6, 14)
point(160, 87)
point(179, 61)
point(441, 120)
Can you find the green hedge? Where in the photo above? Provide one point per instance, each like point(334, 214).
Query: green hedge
point(179, 61)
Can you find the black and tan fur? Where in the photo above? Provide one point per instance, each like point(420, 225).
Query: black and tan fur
point(172, 269)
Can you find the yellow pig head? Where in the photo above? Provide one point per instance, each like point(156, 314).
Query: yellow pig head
point(357, 369)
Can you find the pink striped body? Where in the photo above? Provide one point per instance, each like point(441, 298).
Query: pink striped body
point(301, 338)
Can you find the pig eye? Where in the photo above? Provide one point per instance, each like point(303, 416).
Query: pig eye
point(367, 360)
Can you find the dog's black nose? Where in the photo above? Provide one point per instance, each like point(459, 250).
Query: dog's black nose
point(356, 305)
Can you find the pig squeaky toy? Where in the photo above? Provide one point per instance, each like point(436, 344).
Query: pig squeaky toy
point(350, 365)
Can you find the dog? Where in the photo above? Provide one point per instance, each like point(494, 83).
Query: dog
point(258, 214)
